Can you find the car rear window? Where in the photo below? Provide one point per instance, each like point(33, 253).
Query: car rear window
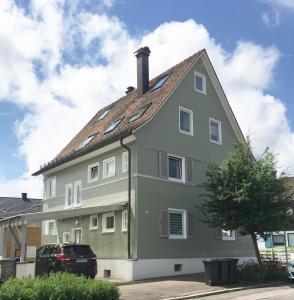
point(78, 251)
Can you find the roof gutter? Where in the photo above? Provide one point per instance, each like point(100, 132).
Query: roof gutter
point(129, 196)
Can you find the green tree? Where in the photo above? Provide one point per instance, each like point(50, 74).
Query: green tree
point(247, 194)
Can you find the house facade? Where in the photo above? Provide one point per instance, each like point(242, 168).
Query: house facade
point(133, 176)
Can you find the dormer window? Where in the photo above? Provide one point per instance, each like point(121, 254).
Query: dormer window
point(103, 115)
point(139, 113)
point(86, 141)
point(160, 83)
point(200, 83)
point(113, 125)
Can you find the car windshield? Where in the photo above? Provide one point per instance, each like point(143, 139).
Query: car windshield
point(84, 251)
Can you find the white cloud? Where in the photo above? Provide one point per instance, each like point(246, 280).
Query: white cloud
point(283, 3)
point(272, 18)
point(100, 65)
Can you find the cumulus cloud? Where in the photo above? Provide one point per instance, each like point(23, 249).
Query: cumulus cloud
point(63, 63)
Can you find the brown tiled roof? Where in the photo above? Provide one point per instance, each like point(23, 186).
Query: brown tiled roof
point(123, 107)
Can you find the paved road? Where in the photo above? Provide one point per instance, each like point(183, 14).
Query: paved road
point(285, 292)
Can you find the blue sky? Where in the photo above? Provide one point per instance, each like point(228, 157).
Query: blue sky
point(59, 59)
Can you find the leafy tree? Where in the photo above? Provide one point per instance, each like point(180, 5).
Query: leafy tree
point(247, 194)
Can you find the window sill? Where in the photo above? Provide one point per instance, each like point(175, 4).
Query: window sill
point(111, 231)
point(109, 176)
point(93, 228)
point(176, 180)
point(186, 132)
point(92, 180)
point(215, 142)
point(177, 237)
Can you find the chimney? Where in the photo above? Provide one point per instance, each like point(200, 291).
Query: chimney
point(24, 196)
point(129, 89)
point(142, 55)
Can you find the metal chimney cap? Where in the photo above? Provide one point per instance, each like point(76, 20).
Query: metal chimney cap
point(24, 196)
point(143, 50)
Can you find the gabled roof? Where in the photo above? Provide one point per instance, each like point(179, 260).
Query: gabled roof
point(10, 206)
point(124, 107)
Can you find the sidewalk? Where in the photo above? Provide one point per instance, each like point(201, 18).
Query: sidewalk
point(169, 287)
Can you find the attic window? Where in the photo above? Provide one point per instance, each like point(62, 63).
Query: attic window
point(139, 113)
point(160, 83)
point(103, 115)
point(86, 141)
point(113, 125)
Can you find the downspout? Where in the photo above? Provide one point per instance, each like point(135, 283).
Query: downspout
point(129, 196)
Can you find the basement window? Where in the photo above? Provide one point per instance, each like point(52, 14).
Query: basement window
point(139, 113)
point(113, 125)
point(178, 267)
point(86, 141)
point(159, 83)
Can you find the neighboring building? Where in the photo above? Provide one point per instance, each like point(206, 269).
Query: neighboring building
point(10, 233)
point(151, 148)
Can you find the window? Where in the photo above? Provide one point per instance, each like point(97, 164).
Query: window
point(124, 220)
point(278, 240)
point(77, 193)
point(50, 227)
point(68, 195)
point(186, 121)
point(177, 223)
point(93, 222)
point(228, 235)
point(86, 141)
point(200, 82)
point(77, 235)
point(109, 167)
point(113, 125)
point(93, 172)
point(139, 113)
point(160, 83)
point(108, 222)
point(51, 187)
point(215, 132)
point(104, 114)
point(176, 168)
point(125, 162)
point(290, 239)
point(66, 237)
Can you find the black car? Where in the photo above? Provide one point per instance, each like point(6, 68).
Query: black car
point(73, 258)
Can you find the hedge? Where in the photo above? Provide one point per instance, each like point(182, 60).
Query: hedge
point(58, 286)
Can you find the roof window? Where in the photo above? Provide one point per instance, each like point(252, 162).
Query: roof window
point(139, 113)
point(103, 115)
point(86, 141)
point(160, 83)
point(113, 125)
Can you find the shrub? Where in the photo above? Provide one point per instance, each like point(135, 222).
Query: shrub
point(58, 286)
point(270, 271)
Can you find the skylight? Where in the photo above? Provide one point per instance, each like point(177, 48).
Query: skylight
point(160, 83)
point(113, 125)
point(139, 113)
point(104, 114)
point(86, 141)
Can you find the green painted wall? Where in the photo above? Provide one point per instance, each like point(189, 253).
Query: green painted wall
point(162, 134)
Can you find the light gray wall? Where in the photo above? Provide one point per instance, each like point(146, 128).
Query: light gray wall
point(162, 134)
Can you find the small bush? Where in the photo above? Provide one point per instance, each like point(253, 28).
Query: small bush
point(270, 271)
point(58, 286)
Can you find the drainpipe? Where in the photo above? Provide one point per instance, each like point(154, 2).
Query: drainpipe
point(129, 196)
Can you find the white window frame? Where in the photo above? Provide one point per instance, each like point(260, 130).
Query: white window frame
point(183, 179)
point(53, 185)
point(91, 227)
point(184, 223)
point(90, 180)
point(229, 238)
point(220, 142)
point(105, 162)
point(203, 91)
point(104, 217)
point(125, 162)
point(72, 234)
point(190, 112)
point(64, 234)
point(47, 227)
point(75, 194)
point(124, 220)
point(67, 186)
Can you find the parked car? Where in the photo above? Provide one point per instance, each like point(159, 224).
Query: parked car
point(290, 269)
point(73, 258)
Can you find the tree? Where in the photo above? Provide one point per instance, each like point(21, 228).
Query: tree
point(247, 194)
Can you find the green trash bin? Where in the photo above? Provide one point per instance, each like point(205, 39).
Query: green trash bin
point(212, 271)
point(228, 270)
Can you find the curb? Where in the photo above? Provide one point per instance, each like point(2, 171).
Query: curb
point(224, 291)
